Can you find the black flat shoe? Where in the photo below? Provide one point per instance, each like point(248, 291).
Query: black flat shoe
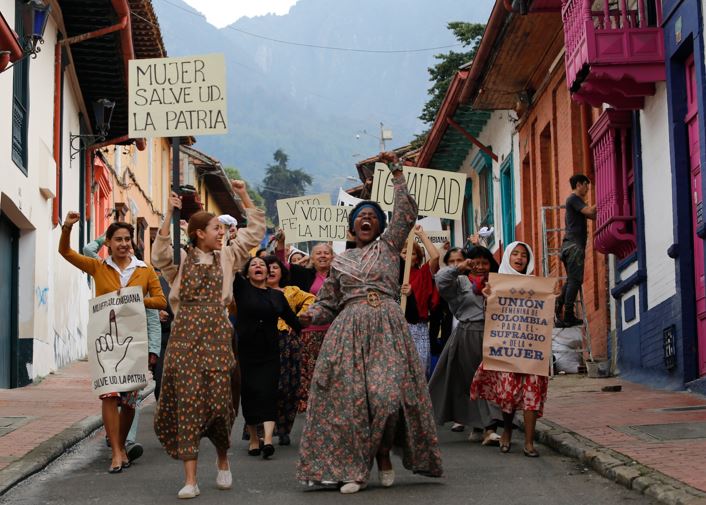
point(254, 452)
point(115, 469)
point(134, 451)
point(284, 439)
point(267, 451)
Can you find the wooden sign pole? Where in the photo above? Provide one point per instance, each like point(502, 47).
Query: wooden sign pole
point(176, 214)
point(407, 268)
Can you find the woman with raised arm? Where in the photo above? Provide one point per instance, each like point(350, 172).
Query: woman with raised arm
point(422, 295)
point(368, 390)
point(121, 269)
point(195, 400)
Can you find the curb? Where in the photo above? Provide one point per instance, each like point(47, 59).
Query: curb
point(41, 456)
point(618, 467)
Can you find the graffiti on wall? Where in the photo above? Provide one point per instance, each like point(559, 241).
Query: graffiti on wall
point(42, 295)
point(68, 346)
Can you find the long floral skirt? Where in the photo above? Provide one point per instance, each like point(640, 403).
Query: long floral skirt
point(511, 391)
point(289, 378)
point(420, 335)
point(451, 381)
point(368, 386)
point(310, 347)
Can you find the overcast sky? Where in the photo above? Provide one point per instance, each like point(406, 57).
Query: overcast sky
point(220, 13)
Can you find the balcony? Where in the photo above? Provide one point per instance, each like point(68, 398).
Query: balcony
point(614, 51)
point(611, 147)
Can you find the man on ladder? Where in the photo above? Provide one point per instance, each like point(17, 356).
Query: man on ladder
point(573, 249)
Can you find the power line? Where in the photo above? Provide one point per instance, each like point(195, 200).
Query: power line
point(315, 46)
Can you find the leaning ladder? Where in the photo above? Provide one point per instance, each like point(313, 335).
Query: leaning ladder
point(554, 249)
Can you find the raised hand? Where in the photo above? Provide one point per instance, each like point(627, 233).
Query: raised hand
point(174, 202)
point(406, 289)
point(389, 157)
point(72, 217)
point(239, 186)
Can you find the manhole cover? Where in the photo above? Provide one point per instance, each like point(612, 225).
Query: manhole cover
point(10, 424)
point(676, 431)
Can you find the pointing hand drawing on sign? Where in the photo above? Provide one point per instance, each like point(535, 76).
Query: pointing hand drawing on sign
point(110, 341)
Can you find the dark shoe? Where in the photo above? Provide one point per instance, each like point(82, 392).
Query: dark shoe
point(258, 451)
point(134, 451)
point(115, 469)
point(457, 427)
point(107, 441)
point(126, 464)
point(505, 448)
point(267, 451)
point(284, 439)
point(531, 454)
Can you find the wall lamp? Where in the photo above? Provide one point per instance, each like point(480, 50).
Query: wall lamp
point(102, 113)
point(35, 15)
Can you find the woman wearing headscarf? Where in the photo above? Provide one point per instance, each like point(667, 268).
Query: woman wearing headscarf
point(513, 391)
point(422, 295)
point(368, 389)
point(461, 285)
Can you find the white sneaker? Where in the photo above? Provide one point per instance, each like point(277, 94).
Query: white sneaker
point(353, 487)
point(475, 436)
point(492, 439)
point(224, 479)
point(387, 477)
point(189, 491)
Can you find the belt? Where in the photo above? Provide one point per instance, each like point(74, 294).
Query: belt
point(202, 304)
point(373, 298)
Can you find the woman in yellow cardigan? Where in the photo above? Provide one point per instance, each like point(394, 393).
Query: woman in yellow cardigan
point(121, 269)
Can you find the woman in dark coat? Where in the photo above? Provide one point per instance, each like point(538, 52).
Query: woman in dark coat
point(259, 309)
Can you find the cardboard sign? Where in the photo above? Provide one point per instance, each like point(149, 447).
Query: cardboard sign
point(287, 209)
point(438, 193)
point(320, 223)
point(346, 199)
point(117, 341)
point(177, 97)
point(519, 319)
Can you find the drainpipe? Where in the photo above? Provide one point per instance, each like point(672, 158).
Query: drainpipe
point(57, 133)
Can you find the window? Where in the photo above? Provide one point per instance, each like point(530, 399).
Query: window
point(507, 191)
point(468, 224)
point(483, 165)
point(20, 99)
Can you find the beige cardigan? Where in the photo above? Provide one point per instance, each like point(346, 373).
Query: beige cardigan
point(233, 257)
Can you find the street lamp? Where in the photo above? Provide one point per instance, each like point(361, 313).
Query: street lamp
point(34, 17)
point(102, 114)
point(385, 135)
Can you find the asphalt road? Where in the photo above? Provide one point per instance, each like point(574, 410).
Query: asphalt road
point(474, 475)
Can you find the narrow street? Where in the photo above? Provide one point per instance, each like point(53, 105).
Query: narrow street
point(474, 474)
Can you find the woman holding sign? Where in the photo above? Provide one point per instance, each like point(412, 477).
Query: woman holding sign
point(513, 391)
point(196, 399)
point(121, 269)
point(368, 390)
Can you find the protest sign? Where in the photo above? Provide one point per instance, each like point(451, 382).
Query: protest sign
point(519, 318)
point(346, 199)
point(177, 97)
point(320, 223)
point(117, 341)
point(438, 193)
point(438, 238)
point(287, 208)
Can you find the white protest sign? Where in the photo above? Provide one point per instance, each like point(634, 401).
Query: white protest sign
point(438, 238)
point(287, 209)
point(323, 223)
point(177, 97)
point(437, 192)
point(117, 341)
point(346, 199)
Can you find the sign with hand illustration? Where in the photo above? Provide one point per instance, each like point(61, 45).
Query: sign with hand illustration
point(117, 341)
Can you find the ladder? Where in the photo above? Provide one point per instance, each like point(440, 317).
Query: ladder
point(551, 246)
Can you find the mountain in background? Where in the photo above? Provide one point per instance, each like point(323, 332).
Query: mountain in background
point(314, 103)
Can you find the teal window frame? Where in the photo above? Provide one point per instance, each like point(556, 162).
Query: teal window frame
point(468, 223)
point(507, 192)
point(20, 100)
point(482, 163)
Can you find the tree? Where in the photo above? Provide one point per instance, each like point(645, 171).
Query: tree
point(234, 173)
point(282, 182)
point(441, 74)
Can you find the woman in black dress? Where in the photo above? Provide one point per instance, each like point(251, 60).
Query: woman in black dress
point(259, 309)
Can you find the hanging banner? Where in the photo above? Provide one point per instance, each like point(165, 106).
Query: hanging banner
point(287, 209)
point(117, 341)
point(437, 192)
point(177, 97)
point(519, 319)
point(322, 223)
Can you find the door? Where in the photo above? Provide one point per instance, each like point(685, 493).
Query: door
point(697, 209)
point(8, 300)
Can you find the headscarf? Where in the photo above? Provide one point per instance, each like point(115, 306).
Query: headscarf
point(228, 220)
point(505, 267)
point(292, 251)
point(382, 217)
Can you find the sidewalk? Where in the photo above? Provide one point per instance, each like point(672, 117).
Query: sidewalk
point(649, 440)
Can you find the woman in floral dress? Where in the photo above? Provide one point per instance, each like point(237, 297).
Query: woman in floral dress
point(368, 390)
point(196, 400)
point(509, 390)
